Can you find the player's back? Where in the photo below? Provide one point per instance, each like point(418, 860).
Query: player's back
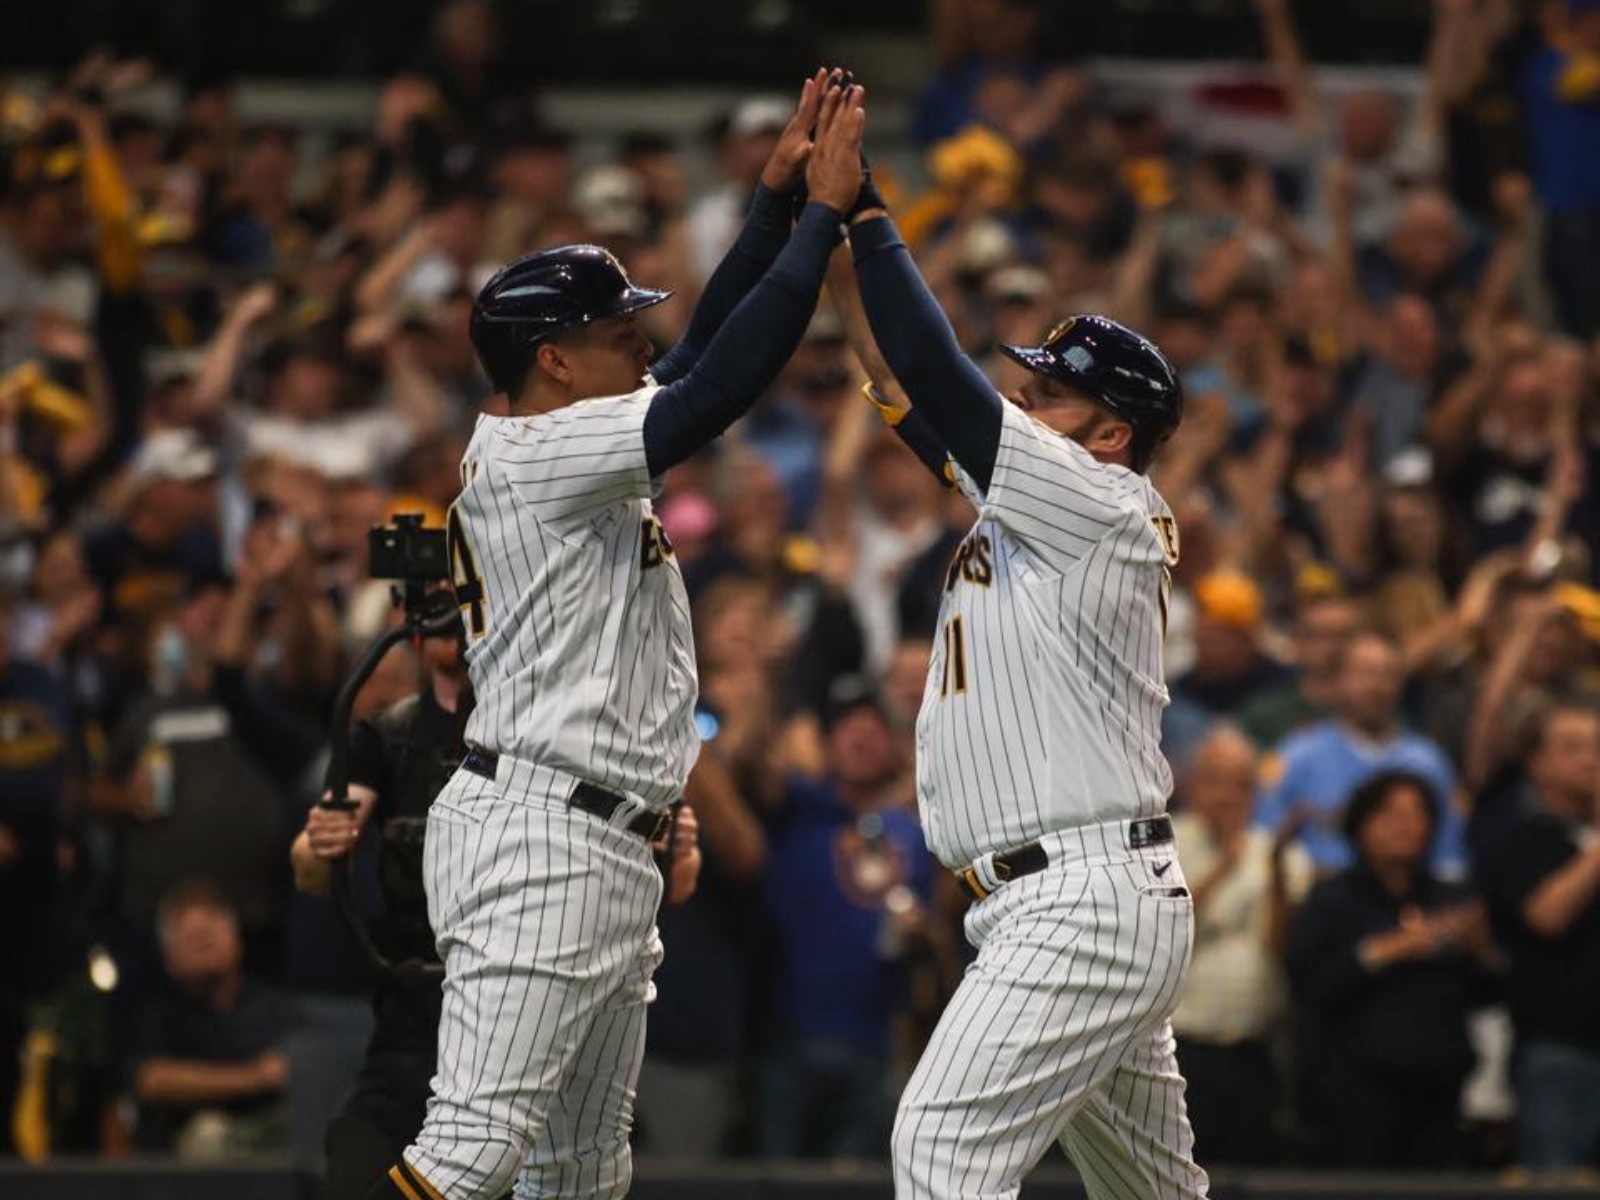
point(1044, 698)
point(580, 647)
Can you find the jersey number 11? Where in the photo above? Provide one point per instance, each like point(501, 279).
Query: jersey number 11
point(955, 658)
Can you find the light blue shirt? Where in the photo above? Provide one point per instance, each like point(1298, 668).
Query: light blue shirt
point(1323, 764)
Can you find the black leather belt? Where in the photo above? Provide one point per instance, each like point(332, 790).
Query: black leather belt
point(1026, 860)
point(595, 801)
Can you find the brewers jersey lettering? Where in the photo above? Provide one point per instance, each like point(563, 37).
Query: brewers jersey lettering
point(580, 646)
point(1043, 704)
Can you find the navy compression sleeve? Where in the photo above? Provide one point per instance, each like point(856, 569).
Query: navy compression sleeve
point(919, 436)
point(748, 351)
point(766, 229)
point(946, 386)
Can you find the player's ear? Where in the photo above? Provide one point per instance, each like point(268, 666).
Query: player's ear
point(1112, 438)
point(553, 361)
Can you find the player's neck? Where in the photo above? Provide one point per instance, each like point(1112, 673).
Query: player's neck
point(539, 398)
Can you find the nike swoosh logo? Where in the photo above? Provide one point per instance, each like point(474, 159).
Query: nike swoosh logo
point(1160, 871)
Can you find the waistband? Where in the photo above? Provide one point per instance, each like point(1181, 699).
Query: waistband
point(622, 809)
point(1107, 841)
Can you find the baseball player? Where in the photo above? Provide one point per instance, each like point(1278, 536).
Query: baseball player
point(540, 884)
point(1040, 777)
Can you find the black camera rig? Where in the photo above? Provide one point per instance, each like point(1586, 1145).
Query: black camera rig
point(417, 559)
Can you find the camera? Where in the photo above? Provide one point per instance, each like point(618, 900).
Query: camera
point(419, 560)
point(406, 551)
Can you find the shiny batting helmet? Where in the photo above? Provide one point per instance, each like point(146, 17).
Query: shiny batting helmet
point(1117, 369)
point(542, 296)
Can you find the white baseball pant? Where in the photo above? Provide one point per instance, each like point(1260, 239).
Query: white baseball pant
point(545, 919)
point(1059, 1032)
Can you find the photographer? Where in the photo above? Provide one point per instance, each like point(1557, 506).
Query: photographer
point(399, 760)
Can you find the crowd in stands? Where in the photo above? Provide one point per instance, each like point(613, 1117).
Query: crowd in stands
point(227, 349)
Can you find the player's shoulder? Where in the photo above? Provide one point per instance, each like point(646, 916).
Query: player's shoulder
point(596, 416)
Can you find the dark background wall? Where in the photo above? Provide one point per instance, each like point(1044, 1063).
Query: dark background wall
point(650, 40)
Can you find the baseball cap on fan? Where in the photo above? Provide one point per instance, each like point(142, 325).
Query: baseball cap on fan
point(174, 455)
point(848, 694)
point(758, 115)
point(611, 201)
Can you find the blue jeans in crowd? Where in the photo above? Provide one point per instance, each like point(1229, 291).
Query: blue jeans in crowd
point(1572, 250)
point(1558, 1105)
point(823, 1098)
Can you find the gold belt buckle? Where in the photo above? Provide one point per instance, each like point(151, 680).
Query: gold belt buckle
point(969, 876)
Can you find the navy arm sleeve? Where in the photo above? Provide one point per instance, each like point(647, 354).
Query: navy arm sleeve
point(919, 436)
point(747, 352)
point(961, 405)
point(766, 229)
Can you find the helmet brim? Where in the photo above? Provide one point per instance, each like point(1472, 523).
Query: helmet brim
point(636, 298)
point(1041, 362)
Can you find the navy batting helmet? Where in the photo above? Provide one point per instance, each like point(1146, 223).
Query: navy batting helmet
point(1116, 368)
point(543, 295)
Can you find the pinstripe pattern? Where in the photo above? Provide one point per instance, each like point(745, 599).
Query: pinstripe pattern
point(1041, 721)
point(545, 918)
point(582, 660)
point(1060, 721)
point(586, 663)
point(1059, 1032)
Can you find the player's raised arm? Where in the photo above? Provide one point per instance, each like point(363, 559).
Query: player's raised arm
point(962, 406)
point(883, 389)
point(763, 331)
point(765, 232)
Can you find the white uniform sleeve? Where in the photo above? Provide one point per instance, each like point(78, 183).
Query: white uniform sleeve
point(568, 464)
point(1052, 493)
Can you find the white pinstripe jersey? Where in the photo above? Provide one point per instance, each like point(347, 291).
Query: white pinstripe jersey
point(579, 645)
point(1043, 704)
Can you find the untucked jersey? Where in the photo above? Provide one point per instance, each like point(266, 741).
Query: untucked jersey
point(579, 643)
point(1043, 704)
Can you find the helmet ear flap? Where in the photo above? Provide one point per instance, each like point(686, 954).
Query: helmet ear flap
point(505, 351)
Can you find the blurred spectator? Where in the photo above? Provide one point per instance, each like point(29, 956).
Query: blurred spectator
point(43, 233)
point(1317, 769)
point(1418, 563)
point(848, 883)
point(703, 1022)
point(166, 543)
point(988, 53)
point(894, 518)
point(1230, 667)
point(791, 429)
point(1246, 883)
point(1429, 253)
point(1542, 881)
point(469, 64)
point(35, 731)
point(744, 140)
point(531, 172)
point(1384, 960)
point(1398, 384)
point(1366, 129)
point(209, 1071)
point(196, 775)
point(1560, 88)
point(1323, 625)
point(1513, 454)
point(1540, 654)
